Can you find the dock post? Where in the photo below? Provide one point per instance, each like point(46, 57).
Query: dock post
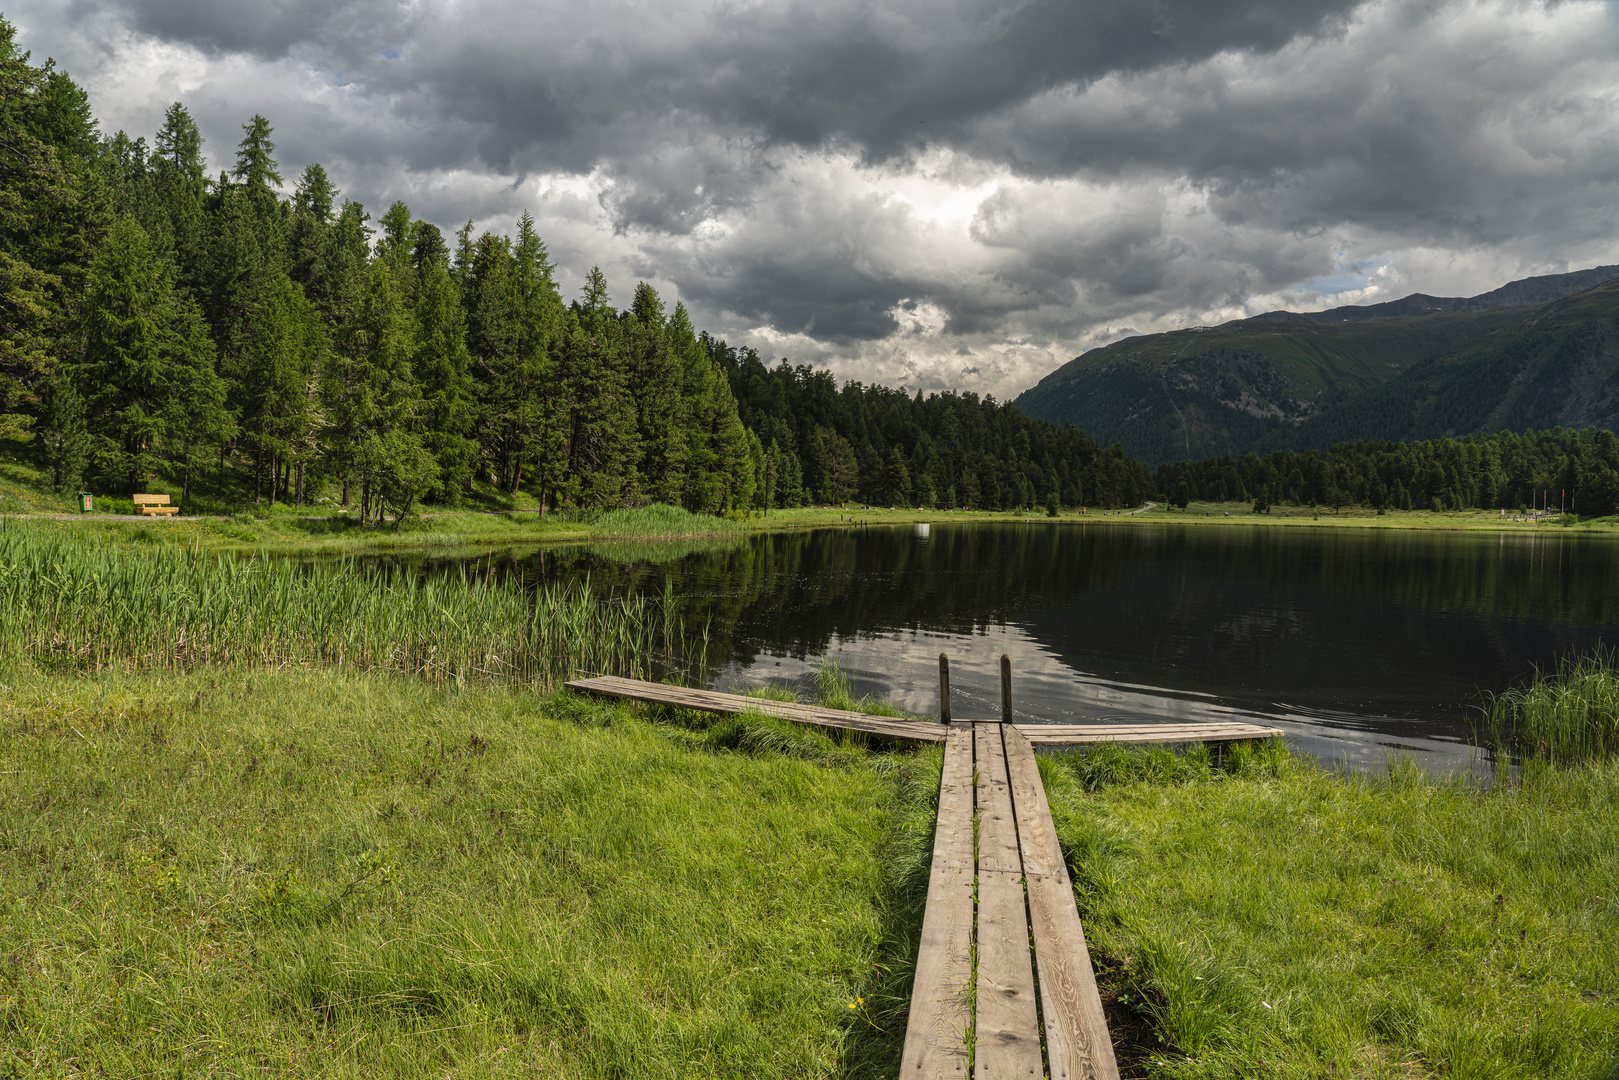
point(944, 688)
point(1006, 689)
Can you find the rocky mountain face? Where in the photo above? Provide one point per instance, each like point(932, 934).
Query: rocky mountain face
point(1533, 353)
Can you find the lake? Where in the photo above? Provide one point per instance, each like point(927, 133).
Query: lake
point(1358, 642)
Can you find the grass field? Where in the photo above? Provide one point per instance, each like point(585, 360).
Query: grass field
point(312, 873)
point(318, 873)
point(1289, 922)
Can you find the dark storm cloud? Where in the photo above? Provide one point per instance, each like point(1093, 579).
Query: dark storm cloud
point(789, 167)
point(801, 73)
point(266, 30)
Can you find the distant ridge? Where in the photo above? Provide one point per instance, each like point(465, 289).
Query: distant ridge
point(1538, 352)
point(1525, 291)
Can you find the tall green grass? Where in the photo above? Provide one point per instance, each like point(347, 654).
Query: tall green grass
point(660, 520)
point(84, 604)
point(322, 873)
point(1270, 918)
point(1569, 715)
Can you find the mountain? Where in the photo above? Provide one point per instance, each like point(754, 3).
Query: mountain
point(1520, 293)
point(1422, 366)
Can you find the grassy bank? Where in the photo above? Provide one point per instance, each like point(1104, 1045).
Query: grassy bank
point(313, 873)
point(1289, 922)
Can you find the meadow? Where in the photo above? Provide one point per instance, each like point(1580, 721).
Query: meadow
point(257, 820)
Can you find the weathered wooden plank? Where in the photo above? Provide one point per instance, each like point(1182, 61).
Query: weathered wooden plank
point(1007, 1033)
point(1037, 835)
point(1143, 729)
point(950, 850)
point(997, 829)
point(1006, 1027)
point(714, 701)
point(717, 702)
point(1077, 734)
point(936, 1030)
point(1078, 1046)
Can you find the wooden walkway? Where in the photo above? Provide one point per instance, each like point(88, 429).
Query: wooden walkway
point(927, 731)
point(1033, 971)
point(1002, 966)
point(682, 697)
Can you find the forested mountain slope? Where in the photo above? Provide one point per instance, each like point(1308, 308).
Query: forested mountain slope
point(1558, 367)
point(1291, 381)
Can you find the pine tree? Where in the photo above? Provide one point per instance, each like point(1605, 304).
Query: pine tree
point(255, 164)
point(285, 347)
point(443, 371)
point(177, 147)
point(374, 402)
point(602, 436)
point(143, 352)
point(539, 423)
point(66, 438)
point(663, 411)
point(309, 235)
point(195, 414)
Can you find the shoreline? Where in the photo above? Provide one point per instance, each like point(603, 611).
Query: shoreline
point(290, 532)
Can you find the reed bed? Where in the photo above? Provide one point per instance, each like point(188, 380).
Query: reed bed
point(1567, 716)
point(657, 519)
point(83, 604)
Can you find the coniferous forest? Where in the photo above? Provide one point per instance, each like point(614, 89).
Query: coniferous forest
point(1501, 470)
point(164, 324)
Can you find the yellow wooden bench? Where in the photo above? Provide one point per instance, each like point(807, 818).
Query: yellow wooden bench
point(153, 505)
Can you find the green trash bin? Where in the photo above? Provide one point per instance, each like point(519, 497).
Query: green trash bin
point(84, 502)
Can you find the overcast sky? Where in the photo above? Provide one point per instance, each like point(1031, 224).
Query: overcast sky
point(927, 193)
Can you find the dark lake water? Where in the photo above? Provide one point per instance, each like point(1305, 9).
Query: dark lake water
point(1357, 642)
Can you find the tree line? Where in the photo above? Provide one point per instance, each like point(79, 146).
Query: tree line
point(827, 443)
point(1556, 469)
point(157, 321)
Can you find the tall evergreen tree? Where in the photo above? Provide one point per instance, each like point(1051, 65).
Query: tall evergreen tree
point(146, 364)
point(256, 168)
point(443, 371)
point(602, 434)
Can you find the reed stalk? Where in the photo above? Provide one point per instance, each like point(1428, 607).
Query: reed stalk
point(66, 601)
point(1570, 715)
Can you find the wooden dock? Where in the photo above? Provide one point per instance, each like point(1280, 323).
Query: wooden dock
point(1002, 965)
point(926, 731)
point(1033, 972)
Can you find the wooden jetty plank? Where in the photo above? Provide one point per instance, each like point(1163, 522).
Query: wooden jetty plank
point(956, 802)
point(1077, 1040)
point(936, 1030)
point(1081, 734)
point(997, 829)
point(1007, 1030)
point(1078, 1046)
point(714, 701)
point(1007, 1040)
